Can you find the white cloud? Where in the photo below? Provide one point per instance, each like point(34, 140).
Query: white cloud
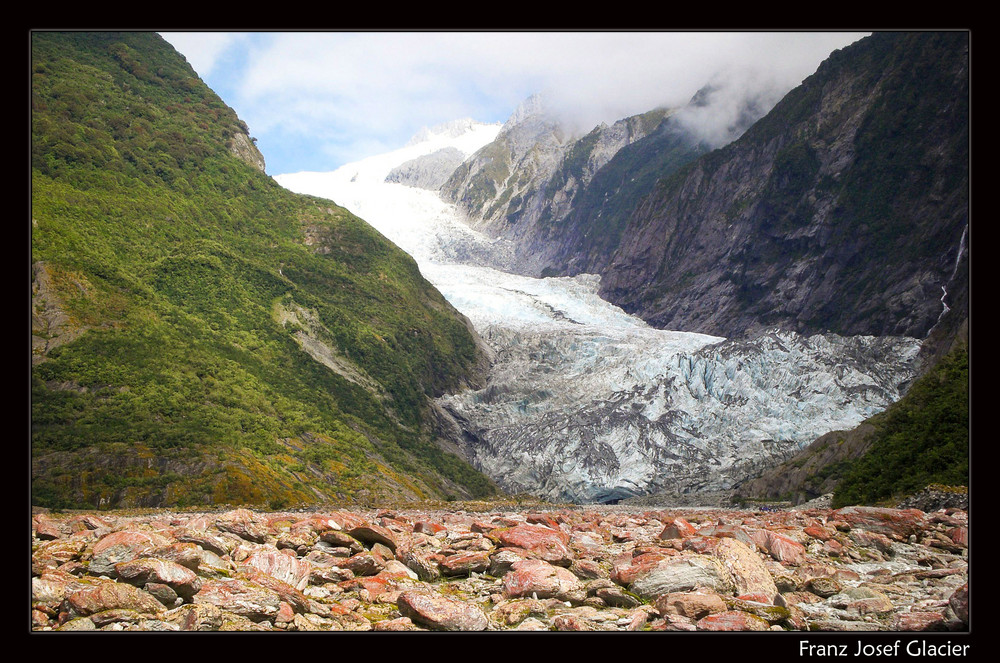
point(342, 93)
point(202, 49)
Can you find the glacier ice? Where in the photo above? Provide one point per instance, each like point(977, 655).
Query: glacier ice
point(587, 403)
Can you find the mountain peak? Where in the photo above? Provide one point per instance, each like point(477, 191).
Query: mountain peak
point(533, 106)
point(451, 129)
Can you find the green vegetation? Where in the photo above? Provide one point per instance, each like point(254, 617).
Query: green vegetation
point(892, 168)
point(481, 188)
point(165, 255)
point(922, 439)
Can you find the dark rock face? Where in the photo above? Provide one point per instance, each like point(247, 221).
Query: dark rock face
point(844, 209)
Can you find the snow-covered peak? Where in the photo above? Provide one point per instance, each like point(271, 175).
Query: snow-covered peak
point(464, 130)
point(467, 136)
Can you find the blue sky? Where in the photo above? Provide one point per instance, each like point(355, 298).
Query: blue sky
point(317, 100)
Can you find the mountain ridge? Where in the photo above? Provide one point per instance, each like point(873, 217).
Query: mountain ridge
point(864, 164)
point(512, 188)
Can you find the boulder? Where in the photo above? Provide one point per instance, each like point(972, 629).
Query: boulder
point(46, 528)
point(959, 603)
point(897, 524)
point(207, 540)
point(244, 524)
point(110, 596)
point(122, 546)
point(679, 528)
point(196, 617)
point(538, 579)
point(362, 564)
point(286, 568)
point(341, 539)
point(371, 533)
point(542, 542)
point(732, 620)
point(749, 574)
point(56, 552)
point(425, 563)
point(180, 579)
point(782, 548)
point(680, 574)
point(240, 597)
point(511, 612)
point(441, 613)
point(920, 621)
point(694, 605)
point(465, 563)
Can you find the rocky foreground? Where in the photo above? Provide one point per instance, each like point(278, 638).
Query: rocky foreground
point(559, 569)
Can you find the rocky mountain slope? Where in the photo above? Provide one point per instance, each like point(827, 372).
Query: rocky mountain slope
point(532, 185)
point(844, 209)
point(200, 334)
point(513, 188)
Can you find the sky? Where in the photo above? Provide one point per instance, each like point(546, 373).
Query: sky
point(317, 100)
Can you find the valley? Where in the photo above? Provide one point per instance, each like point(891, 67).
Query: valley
point(508, 376)
point(586, 403)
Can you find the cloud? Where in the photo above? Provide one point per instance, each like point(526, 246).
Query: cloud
point(202, 49)
point(618, 75)
point(338, 94)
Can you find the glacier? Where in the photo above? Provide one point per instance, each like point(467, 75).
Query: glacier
point(586, 403)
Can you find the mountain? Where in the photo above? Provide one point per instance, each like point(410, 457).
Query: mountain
point(201, 335)
point(514, 187)
point(540, 186)
point(844, 209)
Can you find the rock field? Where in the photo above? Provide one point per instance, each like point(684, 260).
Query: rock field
point(482, 568)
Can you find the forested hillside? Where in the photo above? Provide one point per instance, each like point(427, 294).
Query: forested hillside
point(201, 335)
